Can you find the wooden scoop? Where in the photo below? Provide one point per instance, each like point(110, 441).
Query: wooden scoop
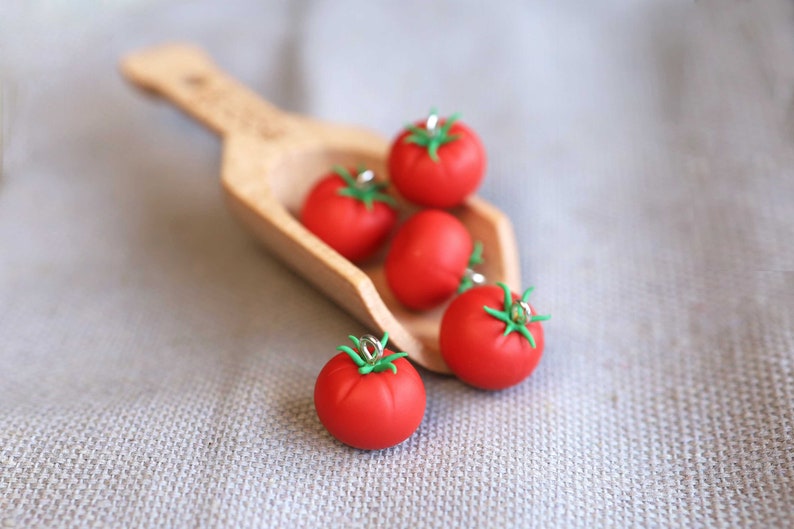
point(270, 161)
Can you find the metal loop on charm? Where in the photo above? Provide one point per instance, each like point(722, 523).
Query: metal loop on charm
point(370, 348)
point(365, 177)
point(432, 122)
point(520, 312)
point(476, 278)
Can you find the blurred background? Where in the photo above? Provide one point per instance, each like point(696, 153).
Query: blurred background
point(158, 363)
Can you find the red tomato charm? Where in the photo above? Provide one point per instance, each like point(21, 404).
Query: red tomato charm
point(430, 258)
point(350, 214)
point(437, 163)
point(368, 400)
point(492, 338)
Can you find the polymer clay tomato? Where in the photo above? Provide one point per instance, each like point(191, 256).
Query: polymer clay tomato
point(351, 214)
point(437, 163)
point(491, 338)
point(368, 400)
point(430, 258)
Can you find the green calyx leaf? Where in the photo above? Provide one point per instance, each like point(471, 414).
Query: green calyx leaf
point(378, 364)
point(434, 137)
point(467, 281)
point(476, 254)
point(366, 191)
point(516, 314)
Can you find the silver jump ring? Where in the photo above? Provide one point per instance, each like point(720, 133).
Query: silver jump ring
point(476, 278)
point(365, 177)
point(520, 312)
point(370, 348)
point(432, 122)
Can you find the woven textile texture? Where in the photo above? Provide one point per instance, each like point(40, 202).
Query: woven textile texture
point(157, 364)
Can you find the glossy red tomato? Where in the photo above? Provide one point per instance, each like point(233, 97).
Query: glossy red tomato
point(428, 259)
point(491, 338)
point(437, 163)
point(369, 401)
point(350, 214)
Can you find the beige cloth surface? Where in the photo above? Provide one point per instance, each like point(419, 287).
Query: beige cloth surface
point(158, 364)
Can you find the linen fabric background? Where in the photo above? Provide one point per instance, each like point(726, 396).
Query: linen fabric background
point(157, 364)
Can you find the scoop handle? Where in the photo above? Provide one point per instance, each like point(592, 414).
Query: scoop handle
point(187, 77)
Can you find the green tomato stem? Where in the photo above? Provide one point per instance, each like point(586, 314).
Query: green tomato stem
point(379, 363)
point(516, 315)
point(431, 136)
point(470, 277)
point(365, 190)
